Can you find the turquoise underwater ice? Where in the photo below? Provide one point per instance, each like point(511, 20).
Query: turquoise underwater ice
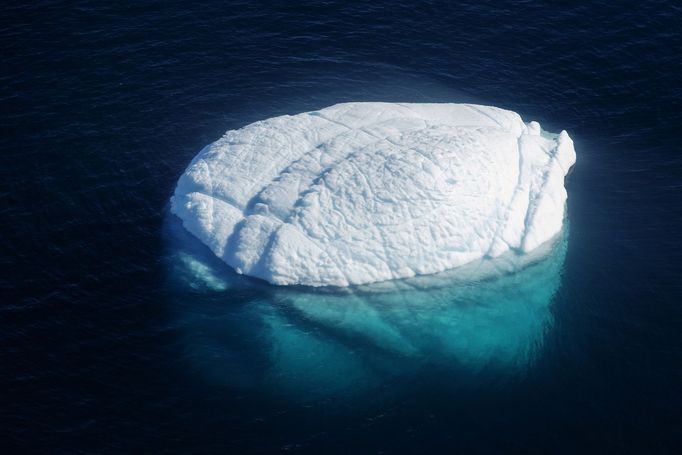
point(306, 343)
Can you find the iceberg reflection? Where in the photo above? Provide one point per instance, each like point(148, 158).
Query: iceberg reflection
point(316, 341)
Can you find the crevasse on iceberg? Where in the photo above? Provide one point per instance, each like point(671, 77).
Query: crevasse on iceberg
point(364, 192)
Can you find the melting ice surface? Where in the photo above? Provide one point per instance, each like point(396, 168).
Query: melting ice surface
point(365, 192)
point(306, 343)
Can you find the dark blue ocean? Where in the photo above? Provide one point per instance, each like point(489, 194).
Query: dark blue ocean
point(120, 334)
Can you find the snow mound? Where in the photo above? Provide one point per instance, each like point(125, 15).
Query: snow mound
point(364, 192)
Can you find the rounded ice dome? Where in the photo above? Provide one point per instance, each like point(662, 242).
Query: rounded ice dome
point(364, 192)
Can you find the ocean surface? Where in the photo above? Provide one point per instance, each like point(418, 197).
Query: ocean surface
point(119, 333)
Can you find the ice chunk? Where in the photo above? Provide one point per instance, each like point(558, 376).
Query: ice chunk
point(365, 192)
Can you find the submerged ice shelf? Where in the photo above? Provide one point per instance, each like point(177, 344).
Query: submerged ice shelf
point(306, 343)
point(364, 192)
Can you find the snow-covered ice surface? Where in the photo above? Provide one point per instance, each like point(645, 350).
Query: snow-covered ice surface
point(364, 192)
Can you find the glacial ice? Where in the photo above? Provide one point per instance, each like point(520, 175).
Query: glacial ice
point(365, 192)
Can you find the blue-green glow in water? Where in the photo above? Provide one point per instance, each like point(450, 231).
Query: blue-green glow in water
point(308, 343)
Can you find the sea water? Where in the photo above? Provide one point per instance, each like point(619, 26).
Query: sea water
point(116, 338)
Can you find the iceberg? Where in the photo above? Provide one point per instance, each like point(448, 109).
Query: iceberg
point(359, 193)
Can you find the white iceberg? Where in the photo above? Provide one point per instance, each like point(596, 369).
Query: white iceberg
point(365, 192)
